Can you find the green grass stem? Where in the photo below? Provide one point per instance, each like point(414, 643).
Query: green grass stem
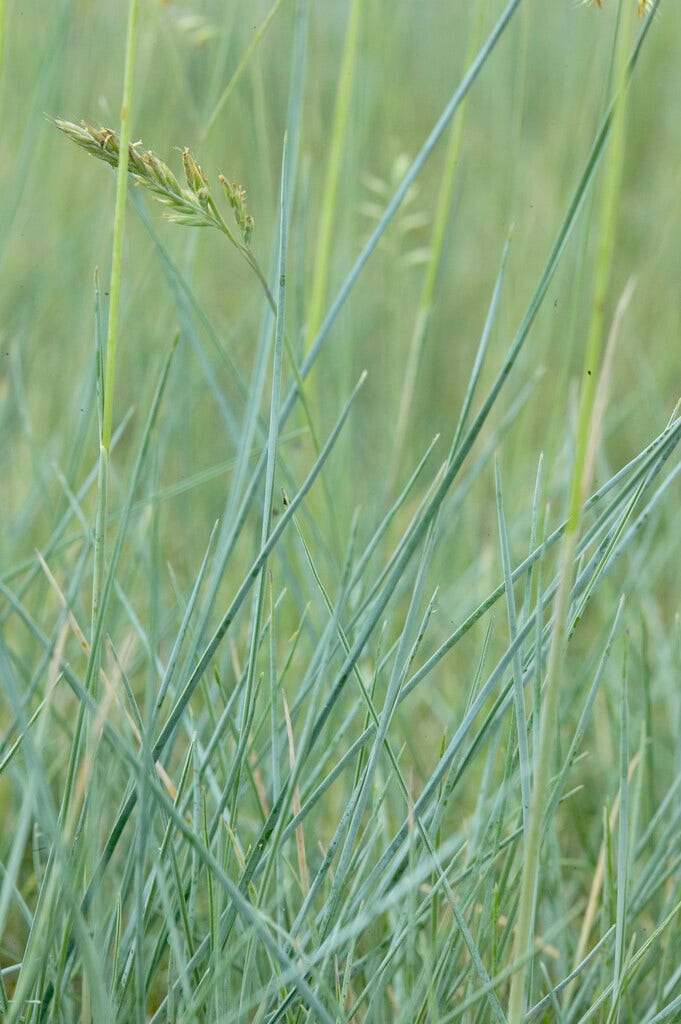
point(578, 486)
point(119, 225)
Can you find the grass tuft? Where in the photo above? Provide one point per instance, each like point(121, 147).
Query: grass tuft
point(376, 717)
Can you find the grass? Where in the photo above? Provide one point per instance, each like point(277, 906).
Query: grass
point(339, 641)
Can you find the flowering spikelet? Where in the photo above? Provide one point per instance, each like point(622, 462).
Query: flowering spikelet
point(236, 197)
point(191, 205)
point(196, 179)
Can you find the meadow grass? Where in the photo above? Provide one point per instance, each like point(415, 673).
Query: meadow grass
point(339, 638)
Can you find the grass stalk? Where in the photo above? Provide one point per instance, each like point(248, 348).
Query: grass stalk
point(106, 358)
point(243, 64)
point(119, 225)
point(248, 708)
point(578, 487)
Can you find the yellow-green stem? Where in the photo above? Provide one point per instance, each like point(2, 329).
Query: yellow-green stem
point(578, 484)
point(119, 222)
point(112, 335)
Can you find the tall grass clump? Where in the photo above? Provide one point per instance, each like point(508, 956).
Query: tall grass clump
point(339, 638)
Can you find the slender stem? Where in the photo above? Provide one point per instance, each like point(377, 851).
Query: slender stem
point(251, 260)
point(119, 222)
point(107, 386)
point(243, 64)
point(578, 485)
point(100, 537)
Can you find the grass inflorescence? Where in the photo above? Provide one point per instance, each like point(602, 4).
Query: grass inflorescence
point(192, 204)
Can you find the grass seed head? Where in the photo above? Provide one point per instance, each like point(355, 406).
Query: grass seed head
point(192, 205)
point(236, 197)
point(196, 179)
